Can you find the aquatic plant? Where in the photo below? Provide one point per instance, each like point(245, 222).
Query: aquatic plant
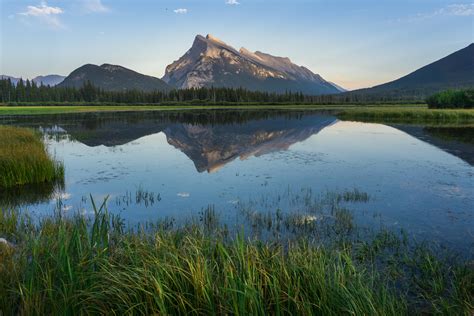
point(25, 160)
point(95, 265)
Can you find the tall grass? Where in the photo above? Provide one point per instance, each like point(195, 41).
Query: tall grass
point(408, 115)
point(24, 159)
point(80, 265)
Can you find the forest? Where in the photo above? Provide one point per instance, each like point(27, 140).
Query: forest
point(29, 92)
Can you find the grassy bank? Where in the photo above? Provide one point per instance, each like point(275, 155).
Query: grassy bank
point(406, 113)
point(79, 265)
point(85, 108)
point(24, 159)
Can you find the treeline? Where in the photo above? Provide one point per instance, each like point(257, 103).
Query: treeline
point(452, 99)
point(29, 92)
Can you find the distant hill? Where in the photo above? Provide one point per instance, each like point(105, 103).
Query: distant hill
point(49, 80)
point(12, 79)
point(453, 71)
point(113, 78)
point(211, 62)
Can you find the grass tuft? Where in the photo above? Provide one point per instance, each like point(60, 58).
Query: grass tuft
point(81, 265)
point(25, 160)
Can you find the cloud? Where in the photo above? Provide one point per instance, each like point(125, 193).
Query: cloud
point(181, 11)
point(232, 2)
point(452, 10)
point(44, 13)
point(458, 10)
point(94, 6)
point(42, 10)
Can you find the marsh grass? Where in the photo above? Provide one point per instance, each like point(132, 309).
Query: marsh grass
point(142, 197)
point(25, 160)
point(408, 115)
point(95, 265)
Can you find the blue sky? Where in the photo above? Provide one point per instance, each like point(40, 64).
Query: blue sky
point(353, 43)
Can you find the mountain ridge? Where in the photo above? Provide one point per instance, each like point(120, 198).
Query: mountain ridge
point(113, 78)
point(453, 71)
point(48, 80)
point(212, 62)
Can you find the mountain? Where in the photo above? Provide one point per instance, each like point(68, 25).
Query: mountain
point(12, 79)
point(453, 71)
point(338, 87)
point(211, 62)
point(49, 80)
point(113, 78)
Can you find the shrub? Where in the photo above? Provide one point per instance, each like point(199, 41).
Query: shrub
point(454, 99)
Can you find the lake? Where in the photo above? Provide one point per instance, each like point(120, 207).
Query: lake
point(172, 165)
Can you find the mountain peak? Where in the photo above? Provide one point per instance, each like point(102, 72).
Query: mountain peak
point(113, 78)
point(110, 67)
point(211, 62)
point(212, 38)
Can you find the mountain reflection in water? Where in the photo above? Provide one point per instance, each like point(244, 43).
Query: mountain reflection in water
point(413, 174)
point(211, 147)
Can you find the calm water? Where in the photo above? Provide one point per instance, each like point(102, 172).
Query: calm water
point(155, 165)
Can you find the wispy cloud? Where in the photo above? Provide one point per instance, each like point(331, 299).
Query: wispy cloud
point(94, 6)
point(45, 14)
point(459, 10)
point(232, 2)
point(181, 11)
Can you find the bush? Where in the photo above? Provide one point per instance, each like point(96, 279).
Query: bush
point(452, 99)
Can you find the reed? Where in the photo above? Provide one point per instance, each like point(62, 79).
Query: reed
point(94, 265)
point(408, 115)
point(25, 160)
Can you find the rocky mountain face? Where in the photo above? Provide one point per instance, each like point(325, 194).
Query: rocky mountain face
point(211, 62)
point(113, 78)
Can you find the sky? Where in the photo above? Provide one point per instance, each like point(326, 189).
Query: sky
point(354, 43)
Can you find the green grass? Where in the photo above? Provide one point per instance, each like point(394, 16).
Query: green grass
point(408, 115)
point(63, 109)
point(403, 113)
point(24, 159)
point(79, 265)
